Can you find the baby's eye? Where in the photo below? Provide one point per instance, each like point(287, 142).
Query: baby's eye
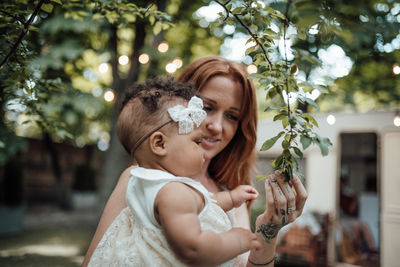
point(207, 108)
point(198, 141)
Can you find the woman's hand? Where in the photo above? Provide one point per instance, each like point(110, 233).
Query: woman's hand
point(283, 205)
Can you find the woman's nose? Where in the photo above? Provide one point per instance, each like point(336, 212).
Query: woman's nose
point(214, 124)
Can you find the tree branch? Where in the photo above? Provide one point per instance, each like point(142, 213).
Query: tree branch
point(255, 38)
point(23, 33)
point(14, 17)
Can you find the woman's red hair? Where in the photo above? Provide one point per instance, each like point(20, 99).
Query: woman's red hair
point(232, 166)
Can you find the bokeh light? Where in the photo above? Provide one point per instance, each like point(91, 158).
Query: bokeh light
point(163, 47)
point(331, 119)
point(97, 91)
point(123, 60)
point(102, 145)
point(170, 68)
point(177, 62)
point(396, 69)
point(109, 96)
point(396, 120)
point(252, 68)
point(103, 68)
point(144, 58)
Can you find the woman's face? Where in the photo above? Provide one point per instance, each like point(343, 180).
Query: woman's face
point(222, 98)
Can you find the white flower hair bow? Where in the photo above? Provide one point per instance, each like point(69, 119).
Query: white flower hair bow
point(187, 117)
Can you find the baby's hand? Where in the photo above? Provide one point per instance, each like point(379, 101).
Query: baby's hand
point(243, 193)
point(247, 240)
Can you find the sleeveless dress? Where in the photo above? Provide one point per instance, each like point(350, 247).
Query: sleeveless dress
point(136, 239)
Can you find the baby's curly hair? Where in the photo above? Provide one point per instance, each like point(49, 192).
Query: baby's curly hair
point(144, 106)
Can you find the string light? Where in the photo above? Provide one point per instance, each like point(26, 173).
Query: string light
point(252, 68)
point(396, 120)
point(163, 47)
point(331, 119)
point(109, 96)
point(396, 69)
point(177, 62)
point(144, 58)
point(103, 68)
point(123, 60)
point(170, 68)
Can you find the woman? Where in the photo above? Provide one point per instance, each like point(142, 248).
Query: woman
point(229, 144)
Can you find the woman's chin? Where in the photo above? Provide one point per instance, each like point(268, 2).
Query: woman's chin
point(208, 155)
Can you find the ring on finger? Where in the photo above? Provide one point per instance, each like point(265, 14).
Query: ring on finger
point(291, 210)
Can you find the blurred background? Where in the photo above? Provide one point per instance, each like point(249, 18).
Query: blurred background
point(64, 65)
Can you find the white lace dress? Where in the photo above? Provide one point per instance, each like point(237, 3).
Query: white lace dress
point(136, 239)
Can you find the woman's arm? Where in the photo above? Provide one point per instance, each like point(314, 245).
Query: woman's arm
point(283, 205)
point(115, 204)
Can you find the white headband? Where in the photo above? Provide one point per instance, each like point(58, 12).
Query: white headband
point(187, 117)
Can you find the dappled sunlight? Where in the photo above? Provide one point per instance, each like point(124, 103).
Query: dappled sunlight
point(43, 249)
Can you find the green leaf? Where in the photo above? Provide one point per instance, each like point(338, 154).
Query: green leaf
point(312, 103)
point(305, 141)
point(298, 152)
point(323, 148)
point(285, 144)
point(270, 142)
point(280, 116)
point(270, 108)
point(323, 143)
point(47, 8)
point(310, 118)
point(157, 28)
point(250, 49)
point(57, 1)
point(152, 19)
point(237, 10)
point(276, 163)
point(269, 31)
point(285, 122)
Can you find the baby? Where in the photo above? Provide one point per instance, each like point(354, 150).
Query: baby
point(175, 221)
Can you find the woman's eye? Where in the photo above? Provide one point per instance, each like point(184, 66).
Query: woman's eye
point(232, 117)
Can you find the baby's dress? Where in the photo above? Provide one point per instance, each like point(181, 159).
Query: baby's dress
point(136, 239)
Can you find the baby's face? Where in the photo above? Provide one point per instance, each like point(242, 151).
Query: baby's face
point(185, 152)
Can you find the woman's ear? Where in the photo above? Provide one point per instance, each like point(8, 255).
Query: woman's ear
point(157, 143)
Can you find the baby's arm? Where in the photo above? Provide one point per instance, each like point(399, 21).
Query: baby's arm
point(228, 200)
point(177, 207)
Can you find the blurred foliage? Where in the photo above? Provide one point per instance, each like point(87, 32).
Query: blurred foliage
point(277, 78)
point(286, 38)
point(50, 81)
point(49, 77)
point(368, 32)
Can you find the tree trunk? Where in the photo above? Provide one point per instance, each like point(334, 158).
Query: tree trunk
point(63, 199)
point(117, 159)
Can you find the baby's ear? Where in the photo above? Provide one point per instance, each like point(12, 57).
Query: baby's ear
point(157, 143)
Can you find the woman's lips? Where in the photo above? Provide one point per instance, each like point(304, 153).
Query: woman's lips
point(209, 142)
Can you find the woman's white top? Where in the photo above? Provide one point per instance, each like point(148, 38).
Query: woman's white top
point(136, 239)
